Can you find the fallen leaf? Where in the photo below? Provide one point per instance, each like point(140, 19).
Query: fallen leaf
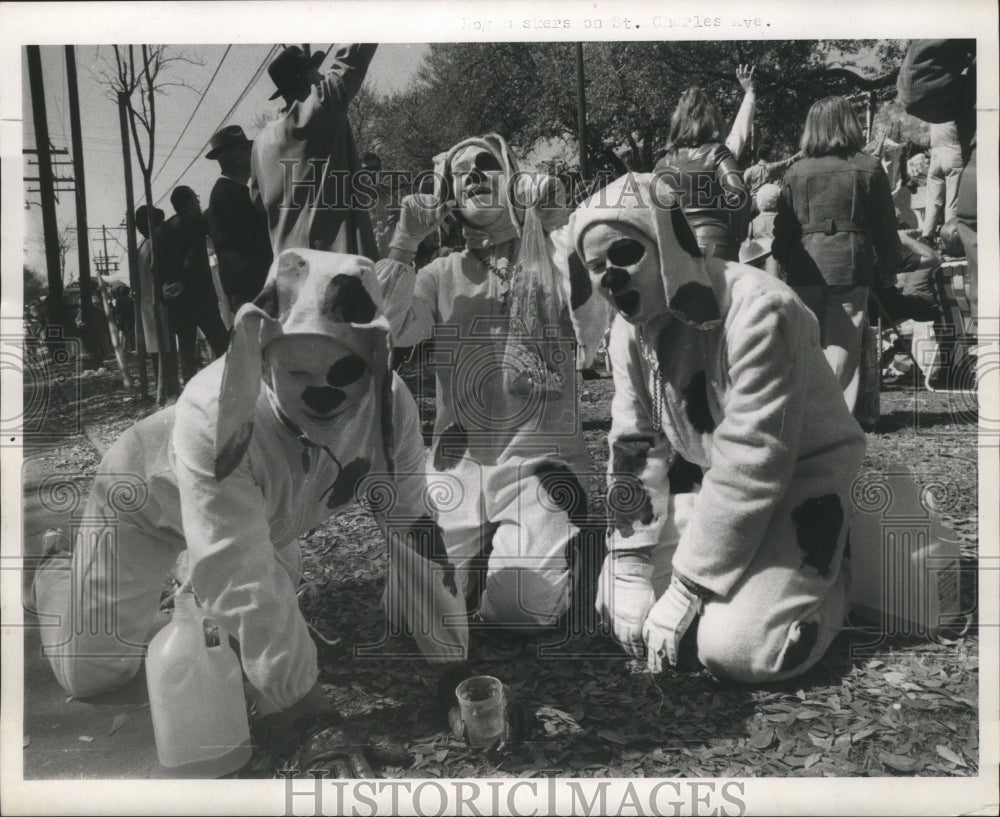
point(762, 738)
point(811, 760)
point(950, 755)
point(119, 721)
point(897, 762)
point(613, 737)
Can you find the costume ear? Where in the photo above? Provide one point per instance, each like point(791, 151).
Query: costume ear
point(252, 330)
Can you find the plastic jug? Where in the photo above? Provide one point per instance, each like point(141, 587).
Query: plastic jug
point(196, 696)
point(905, 563)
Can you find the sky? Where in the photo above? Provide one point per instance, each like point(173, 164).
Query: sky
point(392, 68)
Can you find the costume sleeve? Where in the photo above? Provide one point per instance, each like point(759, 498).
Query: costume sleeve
point(408, 446)
point(638, 486)
point(738, 200)
point(883, 225)
point(235, 572)
point(409, 299)
point(787, 229)
point(341, 81)
point(739, 134)
point(421, 586)
point(755, 447)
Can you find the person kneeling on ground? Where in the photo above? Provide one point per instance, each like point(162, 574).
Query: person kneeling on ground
point(262, 446)
point(721, 364)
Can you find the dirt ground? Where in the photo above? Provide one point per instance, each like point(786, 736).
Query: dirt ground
point(880, 703)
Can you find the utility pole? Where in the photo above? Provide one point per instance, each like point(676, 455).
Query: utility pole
point(133, 255)
point(54, 300)
point(581, 111)
point(83, 249)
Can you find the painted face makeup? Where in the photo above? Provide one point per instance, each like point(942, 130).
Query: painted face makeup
point(317, 380)
point(481, 192)
point(624, 267)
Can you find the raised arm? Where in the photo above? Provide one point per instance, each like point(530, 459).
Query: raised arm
point(739, 134)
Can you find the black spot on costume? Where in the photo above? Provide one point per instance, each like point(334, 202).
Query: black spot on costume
point(819, 522)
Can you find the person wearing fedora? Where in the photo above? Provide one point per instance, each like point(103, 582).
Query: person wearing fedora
point(304, 164)
point(238, 229)
point(302, 418)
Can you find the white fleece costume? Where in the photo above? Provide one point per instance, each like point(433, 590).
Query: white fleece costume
point(518, 459)
point(730, 376)
point(226, 475)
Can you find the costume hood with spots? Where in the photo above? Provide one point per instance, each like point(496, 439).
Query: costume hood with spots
point(647, 203)
point(524, 195)
point(309, 293)
point(534, 205)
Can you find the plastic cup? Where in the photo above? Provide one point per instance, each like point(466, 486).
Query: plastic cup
point(481, 702)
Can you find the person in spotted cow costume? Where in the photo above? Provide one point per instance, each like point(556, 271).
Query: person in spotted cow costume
point(507, 435)
point(721, 364)
point(262, 446)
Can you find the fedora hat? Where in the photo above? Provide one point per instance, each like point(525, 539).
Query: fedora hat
point(228, 137)
point(289, 66)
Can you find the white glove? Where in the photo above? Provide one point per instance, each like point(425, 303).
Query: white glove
point(419, 215)
point(625, 595)
point(667, 622)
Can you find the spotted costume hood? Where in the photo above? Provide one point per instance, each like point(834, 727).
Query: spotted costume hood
point(308, 292)
point(647, 203)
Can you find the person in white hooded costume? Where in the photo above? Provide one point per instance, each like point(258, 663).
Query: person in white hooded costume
point(720, 363)
point(301, 414)
point(507, 436)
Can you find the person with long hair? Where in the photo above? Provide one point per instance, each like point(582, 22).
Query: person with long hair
point(835, 233)
point(699, 165)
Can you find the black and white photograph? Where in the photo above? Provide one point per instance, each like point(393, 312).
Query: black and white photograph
point(500, 408)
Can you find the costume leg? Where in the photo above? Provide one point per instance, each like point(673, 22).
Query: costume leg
point(457, 496)
point(96, 609)
point(844, 323)
point(783, 614)
point(952, 173)
point(790, 604)
point(934, 194)
point(534, 503)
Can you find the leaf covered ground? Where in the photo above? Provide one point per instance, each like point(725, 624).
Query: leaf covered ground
point(876, 705)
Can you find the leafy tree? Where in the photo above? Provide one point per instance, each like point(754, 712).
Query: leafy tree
point(527, 92)
point(35, 285)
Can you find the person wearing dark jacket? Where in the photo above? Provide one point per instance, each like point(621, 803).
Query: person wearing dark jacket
point(697, 163)
point(304, 164)
point(186, 277)
point(835, 233)
point(238, 228)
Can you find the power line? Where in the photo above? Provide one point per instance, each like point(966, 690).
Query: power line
point(242, 96)
point(191, 117)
